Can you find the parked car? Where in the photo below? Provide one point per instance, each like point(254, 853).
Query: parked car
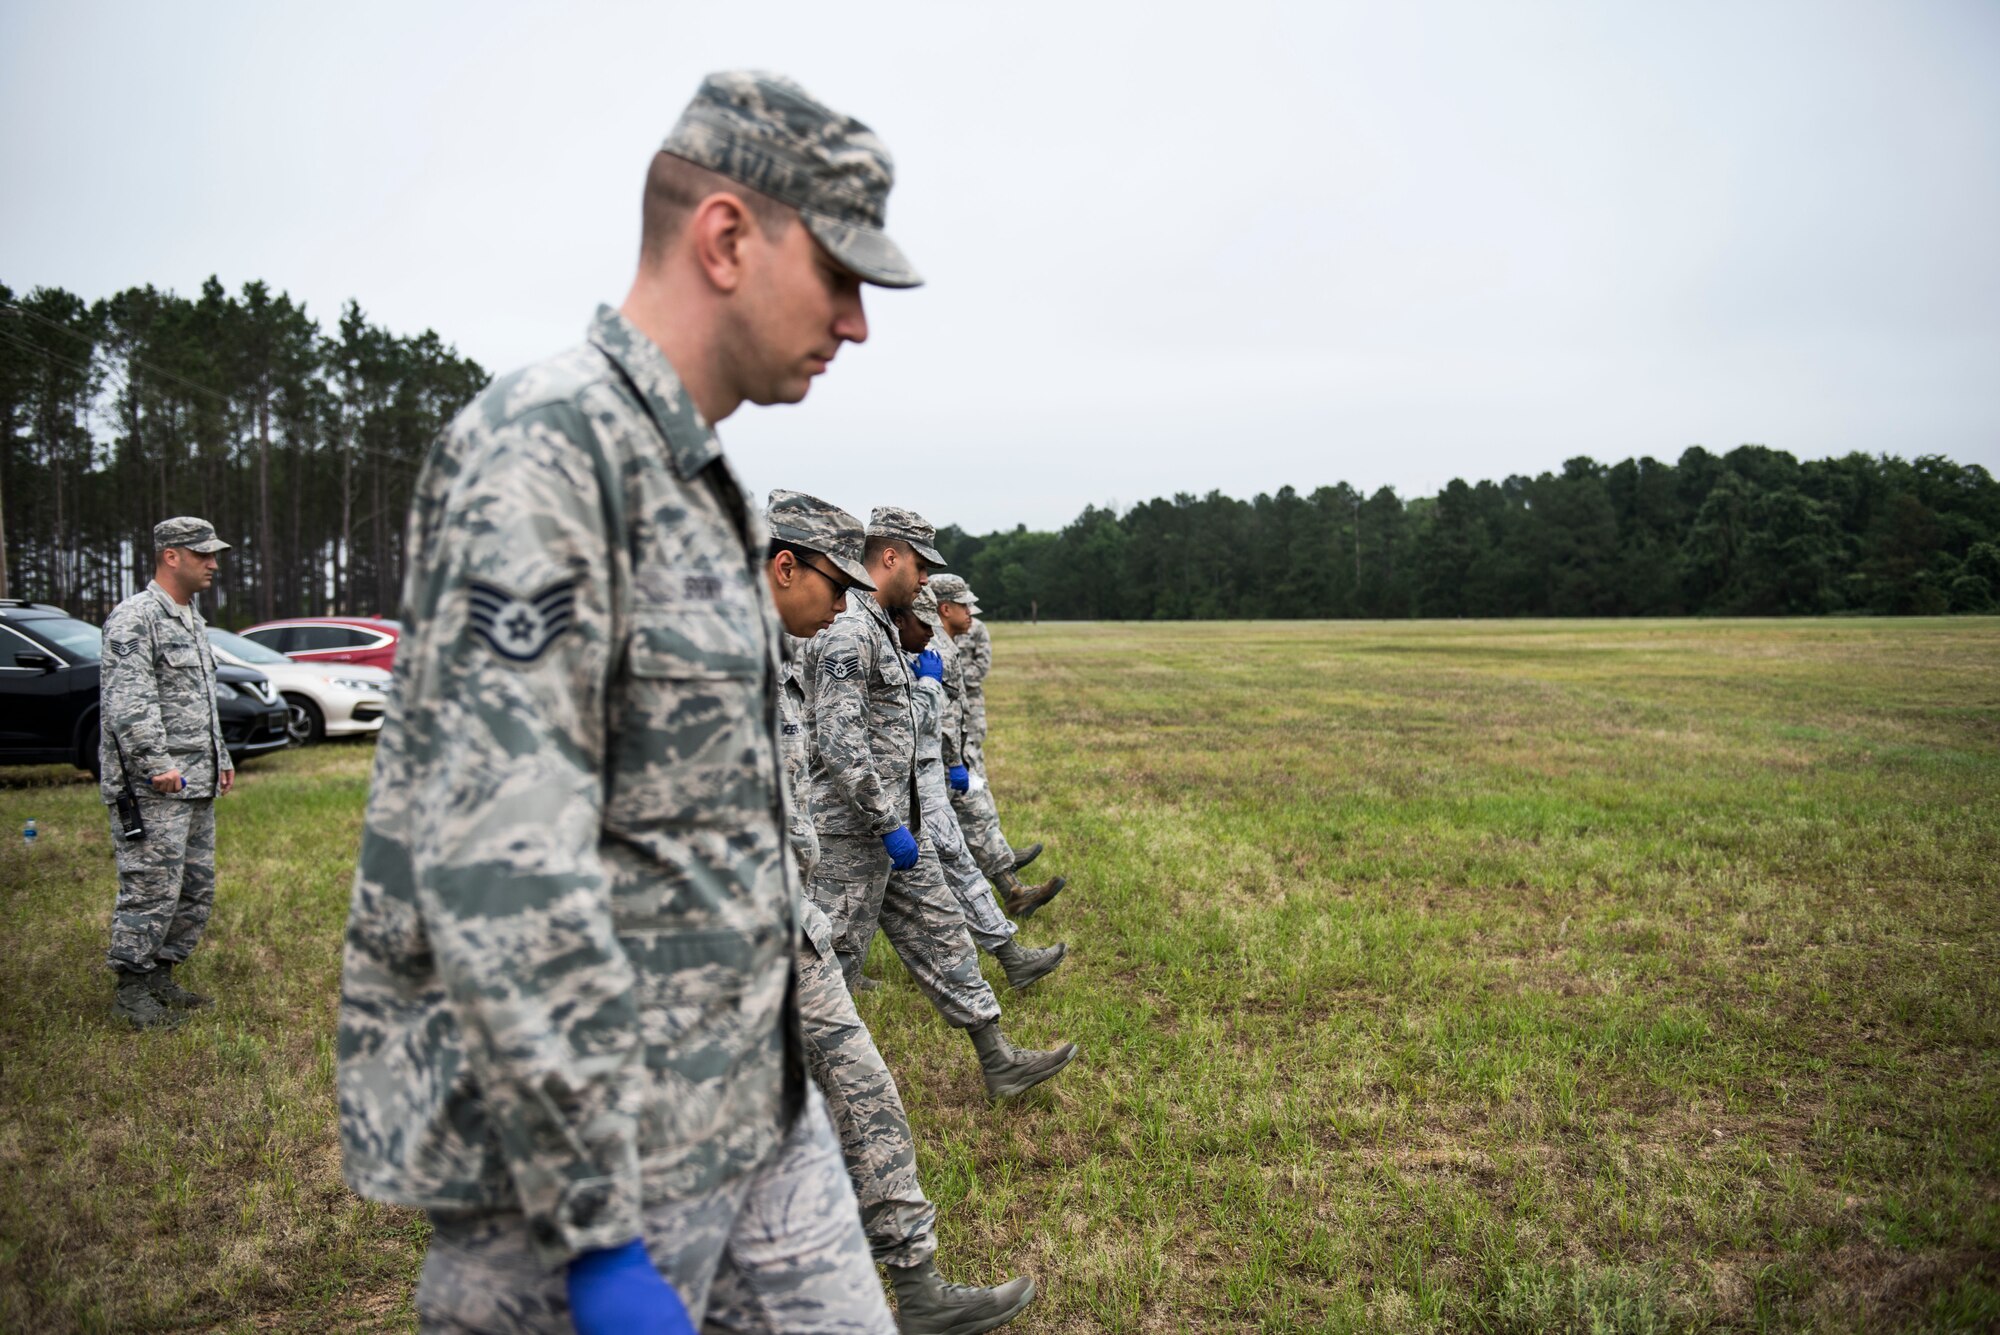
point(48, 686)
point(253, 714)
point(48, 693)
point(340, 700)
point(368, 641)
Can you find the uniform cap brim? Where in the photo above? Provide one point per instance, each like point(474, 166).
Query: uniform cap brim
point(857, 574)
point(865, 252)
point(211, 546)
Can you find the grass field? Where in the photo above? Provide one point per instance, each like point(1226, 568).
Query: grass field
point(1628, 976)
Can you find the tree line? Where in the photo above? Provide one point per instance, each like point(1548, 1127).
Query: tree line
point(1753, 532)
point(300, 445)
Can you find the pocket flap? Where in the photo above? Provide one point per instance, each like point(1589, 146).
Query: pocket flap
point(702, 644)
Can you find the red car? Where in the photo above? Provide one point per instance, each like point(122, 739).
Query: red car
point(370, 641)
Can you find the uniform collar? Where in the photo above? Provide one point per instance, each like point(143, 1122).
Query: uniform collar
point(879, 613)
point(690, 441)
point(181, 612)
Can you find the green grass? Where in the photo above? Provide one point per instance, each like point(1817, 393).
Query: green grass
point(1600, 976)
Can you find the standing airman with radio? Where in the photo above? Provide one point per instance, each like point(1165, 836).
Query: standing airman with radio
point(163, 765)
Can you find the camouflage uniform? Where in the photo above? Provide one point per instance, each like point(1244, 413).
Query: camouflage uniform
point(863, 787)
point(978, 814)
point(939, 720)
point(976, 650)
point(867, 1108)
point(568, 1014)
point(755, 1254)
point(157, 713)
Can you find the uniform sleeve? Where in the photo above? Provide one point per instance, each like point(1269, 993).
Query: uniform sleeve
point(838, 683)
point(128, 694)
point(513, 657)
point(951, 708)
point(224, 762)
point(928, 697)
point(797, 744)
point(981, 657)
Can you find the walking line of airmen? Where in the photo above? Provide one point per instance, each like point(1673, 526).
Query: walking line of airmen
point(661, 766)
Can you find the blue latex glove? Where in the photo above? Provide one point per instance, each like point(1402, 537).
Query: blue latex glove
point(959, 777)
point(619, 1291)
point(929, 664)
point(902, 846)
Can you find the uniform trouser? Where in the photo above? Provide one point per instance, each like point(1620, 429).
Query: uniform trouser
point(779, 1249)
point(868, 1115)
point(858, 890)
point(166, 882)
point(984, 918)
point(979, 821)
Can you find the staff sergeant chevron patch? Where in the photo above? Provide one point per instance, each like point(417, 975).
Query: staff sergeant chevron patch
point(520, 629)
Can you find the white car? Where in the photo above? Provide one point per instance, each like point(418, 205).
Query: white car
point(322, 700)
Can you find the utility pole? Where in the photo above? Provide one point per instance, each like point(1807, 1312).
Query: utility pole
point(1357, 544)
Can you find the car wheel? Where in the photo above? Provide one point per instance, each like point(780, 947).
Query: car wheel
point(86, 752)
point(303, 720)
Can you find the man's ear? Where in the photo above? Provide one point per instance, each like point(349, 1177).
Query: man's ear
point(720, 226)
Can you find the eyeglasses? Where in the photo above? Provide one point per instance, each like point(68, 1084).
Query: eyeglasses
point(841, 584)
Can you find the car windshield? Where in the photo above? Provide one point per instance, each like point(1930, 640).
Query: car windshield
point(78, 639)
point(248, 650)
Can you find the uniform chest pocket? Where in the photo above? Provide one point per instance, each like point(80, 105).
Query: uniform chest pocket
point(181, 654)
point(891, 672)
point(697, 644)
point(692, 740)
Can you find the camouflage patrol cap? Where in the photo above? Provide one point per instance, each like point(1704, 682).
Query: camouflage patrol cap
point(950, 589)
point(924, 608)
point(893, 521)
point(819, 526)
point(197, 535)
point(775, 137)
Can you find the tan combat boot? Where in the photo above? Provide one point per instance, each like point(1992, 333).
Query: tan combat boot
point(1021, 901)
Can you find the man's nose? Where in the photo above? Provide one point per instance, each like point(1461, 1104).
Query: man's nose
point(849, 320)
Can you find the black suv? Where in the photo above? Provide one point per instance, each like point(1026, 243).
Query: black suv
point(48, 693)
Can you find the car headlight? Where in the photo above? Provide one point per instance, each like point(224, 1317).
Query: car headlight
point(224, 691)
point(357, 684)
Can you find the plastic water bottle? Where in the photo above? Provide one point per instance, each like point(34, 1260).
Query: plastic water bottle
point(28, 835)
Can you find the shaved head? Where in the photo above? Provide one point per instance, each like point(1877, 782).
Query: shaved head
point(674, 186)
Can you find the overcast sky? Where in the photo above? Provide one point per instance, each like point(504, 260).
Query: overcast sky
point(1170, 247)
